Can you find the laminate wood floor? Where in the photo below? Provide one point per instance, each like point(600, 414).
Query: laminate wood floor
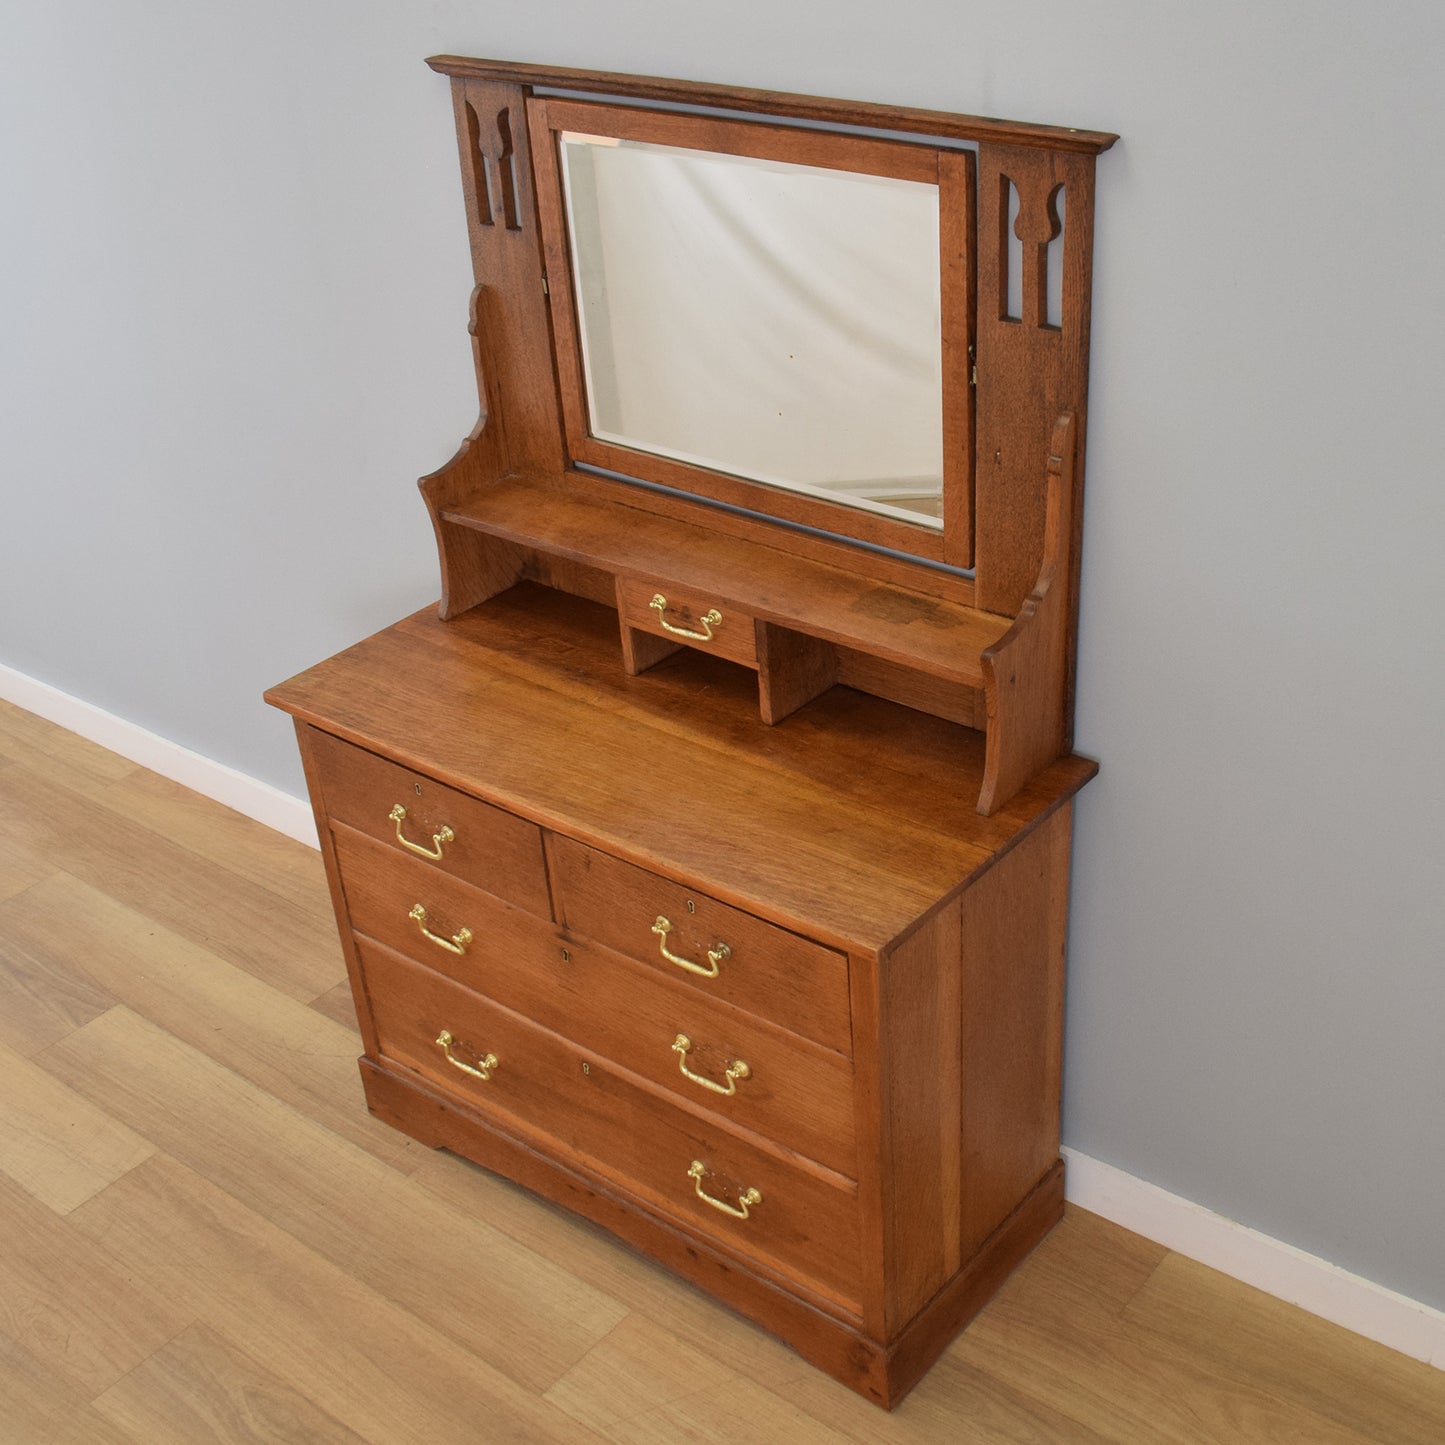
point(204, 1236)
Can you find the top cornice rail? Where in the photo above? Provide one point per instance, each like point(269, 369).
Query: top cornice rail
point(939, 123)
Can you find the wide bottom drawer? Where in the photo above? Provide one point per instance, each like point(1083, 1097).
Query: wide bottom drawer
point(800, 1220)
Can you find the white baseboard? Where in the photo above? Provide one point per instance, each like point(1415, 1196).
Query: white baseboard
point(237, 790)
point(1189, 1229)
point(1256, 1259)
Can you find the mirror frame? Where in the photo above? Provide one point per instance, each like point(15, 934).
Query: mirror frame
point(951, 170)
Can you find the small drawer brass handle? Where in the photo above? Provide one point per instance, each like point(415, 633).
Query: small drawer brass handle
point(714, 955)
point(483, 1069)
point(457, 943)
point(710, 619)
point(746, 1200)
point(682, 1046)
point(398, 816)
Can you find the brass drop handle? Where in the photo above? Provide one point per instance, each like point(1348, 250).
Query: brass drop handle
point(444, 835)
point(746, 1200)
point(457, 943)
point(738, 1069)
point(483, 1069)
point(714, 955)
point(710, 619)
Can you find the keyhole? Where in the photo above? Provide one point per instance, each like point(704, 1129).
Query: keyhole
point(691, 906)
point(417, 786)
point(586, 1068)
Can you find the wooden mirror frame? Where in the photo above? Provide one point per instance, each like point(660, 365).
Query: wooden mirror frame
point(993, 650)
point(950, 171)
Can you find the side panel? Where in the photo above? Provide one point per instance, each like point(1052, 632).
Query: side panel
point(1012, 929)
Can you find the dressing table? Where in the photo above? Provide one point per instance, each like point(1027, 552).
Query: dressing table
point(701, 863)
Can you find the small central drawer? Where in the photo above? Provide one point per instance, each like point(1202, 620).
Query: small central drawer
point(801, 1220)
point(417, 817)
point(721, 952)
point(690, 618)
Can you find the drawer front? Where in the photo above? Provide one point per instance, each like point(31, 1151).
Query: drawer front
point(805, 1224)
point(690, 618)
point(441, 827)
point(789, 1089)
point(719, 951)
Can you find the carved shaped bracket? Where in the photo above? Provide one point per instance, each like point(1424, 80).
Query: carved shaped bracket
point(1025, 674)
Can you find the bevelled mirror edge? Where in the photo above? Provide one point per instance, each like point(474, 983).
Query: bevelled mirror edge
point(551, 117)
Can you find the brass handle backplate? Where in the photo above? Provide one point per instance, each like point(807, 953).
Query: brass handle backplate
point(746, 1200)
point(710, 619)
point(738, 1069)
point(442, 836)
point(714, 955)
point(457, 943)
point(484, 1067)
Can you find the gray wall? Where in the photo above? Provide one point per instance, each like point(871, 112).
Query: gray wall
point(233, 333)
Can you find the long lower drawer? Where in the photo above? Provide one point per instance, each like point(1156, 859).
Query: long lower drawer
point(800, 1220)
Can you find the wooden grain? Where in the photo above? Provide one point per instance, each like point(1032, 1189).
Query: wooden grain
point(43, 996)
point(44, 750)
point(732, 638)
point(19, 867)
point(306, 741)
point(267, 1038)
point(770, 973)
point(919, 1039)
point(1029, 371)
point(1098, 1336)
point(548, 119)
point(338, 1201)
point(793, 669)
point(81, 1314)
point(1012, 935)
point(356, 1353)
point(958, 262)
point(776, 102)
point(1026, 676)
point(849, 841)
point(798, 1093)
point(600, 1118)
point(639, 1368)
point(944, 582)
point(192, 893)
point(197, 1387)
point(1262, 1344)
point(903, 625)
point(58, 1147)
point(37, 1405)
point(489, 848)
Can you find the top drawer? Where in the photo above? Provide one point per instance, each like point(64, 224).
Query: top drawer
point(731, 955)
point(415, 814)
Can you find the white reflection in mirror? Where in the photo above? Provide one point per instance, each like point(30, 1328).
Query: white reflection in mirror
point(778, 322)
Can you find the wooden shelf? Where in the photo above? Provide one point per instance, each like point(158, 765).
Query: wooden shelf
point(907, 628)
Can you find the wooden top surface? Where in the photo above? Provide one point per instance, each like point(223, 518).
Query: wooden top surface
point(940, 123)
point(903, 626)
point(846, 822)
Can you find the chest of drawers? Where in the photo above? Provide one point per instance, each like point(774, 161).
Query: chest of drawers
point(788, 1023)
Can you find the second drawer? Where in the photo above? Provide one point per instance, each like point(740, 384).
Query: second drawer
point(717, 950)
point(708, 1054)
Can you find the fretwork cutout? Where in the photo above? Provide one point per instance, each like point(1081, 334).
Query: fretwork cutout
point(1037, 225)
point(488, 177)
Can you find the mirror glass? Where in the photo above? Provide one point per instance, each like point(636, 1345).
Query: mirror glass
point(776, 321)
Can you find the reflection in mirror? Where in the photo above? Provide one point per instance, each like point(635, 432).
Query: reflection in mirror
point(776, 321)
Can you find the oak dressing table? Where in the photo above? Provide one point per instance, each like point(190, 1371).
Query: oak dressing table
point(702, 862)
